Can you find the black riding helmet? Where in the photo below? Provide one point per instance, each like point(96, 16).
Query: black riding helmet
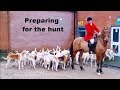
point(89, 18)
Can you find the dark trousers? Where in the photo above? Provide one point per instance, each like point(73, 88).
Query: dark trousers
point(92, 47)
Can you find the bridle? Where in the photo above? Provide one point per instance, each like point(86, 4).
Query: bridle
point(102, 41)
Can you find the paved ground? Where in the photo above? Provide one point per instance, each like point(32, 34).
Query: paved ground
point(42, 73)
point(115, 62)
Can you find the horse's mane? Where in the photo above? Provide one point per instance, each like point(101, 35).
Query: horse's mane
point(103, 32)
point(101, 37)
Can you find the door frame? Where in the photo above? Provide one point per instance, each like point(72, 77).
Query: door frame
point(115, 43)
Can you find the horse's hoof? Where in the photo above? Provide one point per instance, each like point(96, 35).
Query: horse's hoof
point(82, 68)
point(73, 68)
point(98, 73)
point(102, 72)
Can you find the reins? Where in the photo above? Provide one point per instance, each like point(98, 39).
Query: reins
point(102, 42)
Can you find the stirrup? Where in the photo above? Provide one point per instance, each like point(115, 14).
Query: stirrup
point(90, 52)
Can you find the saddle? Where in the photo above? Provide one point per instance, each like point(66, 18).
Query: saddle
point(92, 44)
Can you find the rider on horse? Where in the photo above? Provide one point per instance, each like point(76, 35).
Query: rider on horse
point(90, 36)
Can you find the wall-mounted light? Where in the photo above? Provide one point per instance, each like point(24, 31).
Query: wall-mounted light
point(80, 23)
point(109, 17)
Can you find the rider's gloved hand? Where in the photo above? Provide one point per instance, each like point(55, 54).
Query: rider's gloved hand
point(99, 34)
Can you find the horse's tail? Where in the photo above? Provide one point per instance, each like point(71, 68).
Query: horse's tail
point(71, 49)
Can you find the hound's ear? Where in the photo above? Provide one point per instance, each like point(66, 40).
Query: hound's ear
point(10, 52)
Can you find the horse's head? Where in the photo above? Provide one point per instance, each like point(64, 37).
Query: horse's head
point(105, 35)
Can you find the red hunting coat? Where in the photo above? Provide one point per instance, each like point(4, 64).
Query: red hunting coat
point(90, 30)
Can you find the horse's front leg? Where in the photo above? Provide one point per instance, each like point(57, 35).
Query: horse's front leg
point(98, 60)
point(81, 61)
point(98, 64)
point(101, 67)
point(101, 62)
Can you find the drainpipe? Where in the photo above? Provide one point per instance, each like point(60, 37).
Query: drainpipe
point(75, 15)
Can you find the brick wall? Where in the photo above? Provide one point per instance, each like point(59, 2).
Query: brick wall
point(100, 18)
point(3, 30)
point(20, 40)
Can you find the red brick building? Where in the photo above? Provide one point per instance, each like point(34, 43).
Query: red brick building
point(11, 22)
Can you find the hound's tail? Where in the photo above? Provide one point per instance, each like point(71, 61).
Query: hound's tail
point(4, 58)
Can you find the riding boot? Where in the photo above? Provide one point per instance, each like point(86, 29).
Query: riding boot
point(101, 67)
point(90, 47)
point(93, 48)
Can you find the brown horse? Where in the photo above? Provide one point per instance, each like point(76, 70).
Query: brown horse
point(79, 44)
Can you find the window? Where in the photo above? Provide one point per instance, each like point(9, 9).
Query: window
point(80, 31)
point(115, 35)
point(118, 20)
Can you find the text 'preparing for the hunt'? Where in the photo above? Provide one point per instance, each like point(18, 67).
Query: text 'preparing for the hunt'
point(38, 28)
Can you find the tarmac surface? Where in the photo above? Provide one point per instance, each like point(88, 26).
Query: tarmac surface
point(42, 73)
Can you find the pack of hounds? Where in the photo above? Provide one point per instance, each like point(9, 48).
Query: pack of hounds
point(53, 59)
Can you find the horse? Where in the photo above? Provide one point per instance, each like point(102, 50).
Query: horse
point(79, 44)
